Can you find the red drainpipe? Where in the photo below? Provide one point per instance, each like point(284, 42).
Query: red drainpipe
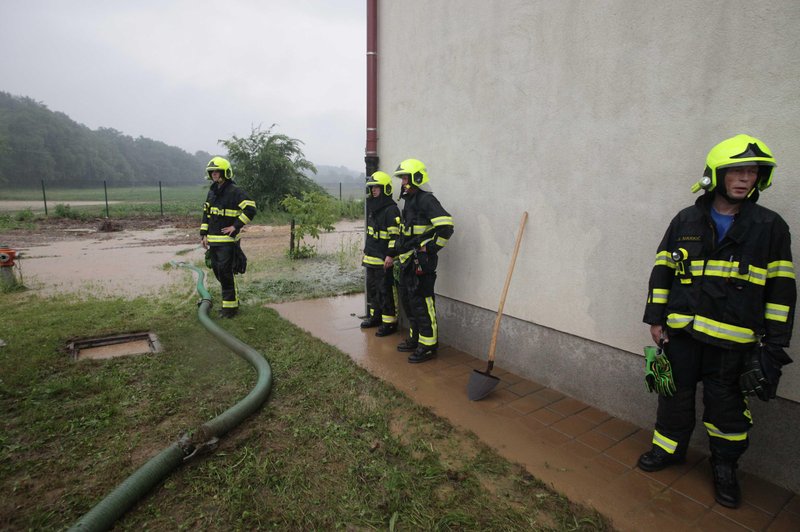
point(371, 152)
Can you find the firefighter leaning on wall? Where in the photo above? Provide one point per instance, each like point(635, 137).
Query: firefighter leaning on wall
point(424, 231)
point(227, 209)
point(721, 299)
point(383, 228)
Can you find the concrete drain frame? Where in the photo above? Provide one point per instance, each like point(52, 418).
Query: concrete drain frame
point(113, 346)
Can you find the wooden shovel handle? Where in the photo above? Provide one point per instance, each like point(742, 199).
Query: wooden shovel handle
point(496, 329)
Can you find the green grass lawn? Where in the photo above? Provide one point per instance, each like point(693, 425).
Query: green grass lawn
point(333, 447)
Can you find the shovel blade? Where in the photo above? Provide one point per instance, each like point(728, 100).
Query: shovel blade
point(480, 385)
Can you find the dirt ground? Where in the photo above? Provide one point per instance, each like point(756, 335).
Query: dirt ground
point(127, 257)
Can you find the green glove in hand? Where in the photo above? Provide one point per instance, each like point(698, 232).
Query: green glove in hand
point(658, 372)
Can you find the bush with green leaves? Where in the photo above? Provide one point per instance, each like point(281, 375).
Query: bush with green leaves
point(312, 212)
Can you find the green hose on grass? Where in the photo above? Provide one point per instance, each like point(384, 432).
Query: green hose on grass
point(123, 497)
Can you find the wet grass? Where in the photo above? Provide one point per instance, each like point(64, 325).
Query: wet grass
point(333, 447)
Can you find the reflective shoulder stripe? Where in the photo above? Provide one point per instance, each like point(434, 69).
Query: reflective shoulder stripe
point(724, 331)
point(776, 312)
point(246, 203)
point(780, 268)
point(714, 432)
point(442, 220)
point(664, 258)
point(665, 443)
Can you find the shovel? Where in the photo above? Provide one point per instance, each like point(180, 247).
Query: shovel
point(481, 383)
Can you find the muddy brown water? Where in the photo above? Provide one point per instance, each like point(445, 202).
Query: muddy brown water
point(131, 263)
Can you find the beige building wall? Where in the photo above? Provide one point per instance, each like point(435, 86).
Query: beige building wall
point(593, 116)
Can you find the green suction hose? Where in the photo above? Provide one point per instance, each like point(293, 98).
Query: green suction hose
point(123, 497)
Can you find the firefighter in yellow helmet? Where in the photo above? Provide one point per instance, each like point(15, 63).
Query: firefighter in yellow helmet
point(426, 228)
point(383, 228)
point(721, 302)
point(227, 209)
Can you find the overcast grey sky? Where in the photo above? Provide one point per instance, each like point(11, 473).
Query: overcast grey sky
point(190, 72)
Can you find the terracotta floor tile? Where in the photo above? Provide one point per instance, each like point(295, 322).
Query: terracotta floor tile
point(579, 450)
point(594, 415)
point(510, 378)
point(532, 423)
point(596, 440)
point(671, 506)
point(549, 395)
point(525, 387)
point(568, 406)
point(548, 417)
point(763, 494)
point(458, 357)
point(507, 411)
point(617, 429)
point(785, 522)
point(627, 451)
point(572, 426)
point(746, 515)
point(671, 474)
point(645, 436)
point(697, 484)
point(456, 370)
point(636, 488)
point(529, 403)
point(607, 468)
point(794, 505)
point(497, 398)
point(553, 436)
point(714, 522)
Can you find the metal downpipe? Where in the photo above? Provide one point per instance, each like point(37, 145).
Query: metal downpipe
point(125, 495)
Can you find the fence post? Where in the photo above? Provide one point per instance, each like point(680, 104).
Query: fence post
point(160, 199)
point(291, 239)
point(44, 198)
point(340, 191)
point(105, 191)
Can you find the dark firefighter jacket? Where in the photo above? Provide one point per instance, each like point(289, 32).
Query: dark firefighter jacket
point(425, 223)
point(730, 293)
point(225, 205)
point(383, 227)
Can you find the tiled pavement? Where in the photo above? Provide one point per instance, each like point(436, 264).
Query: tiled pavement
point(583, 452)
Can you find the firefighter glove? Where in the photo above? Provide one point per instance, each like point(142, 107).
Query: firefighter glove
point(658, 372)
point(752, 380)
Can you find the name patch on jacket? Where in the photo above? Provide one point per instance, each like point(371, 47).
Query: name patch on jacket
point(689, 238)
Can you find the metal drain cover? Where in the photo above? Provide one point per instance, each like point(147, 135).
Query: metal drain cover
point(114, 346)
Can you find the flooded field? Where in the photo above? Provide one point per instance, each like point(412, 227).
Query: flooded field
point(134, 260)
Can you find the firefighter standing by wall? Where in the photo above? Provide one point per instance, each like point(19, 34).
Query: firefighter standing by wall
point(425, 229)
point(721, 299)
point(383, 228)
point(227, 209)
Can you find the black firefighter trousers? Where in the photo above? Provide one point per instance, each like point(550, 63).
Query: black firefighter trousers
point(417, 281)
point(726, 414)
point(222, 264)
point(381, 294)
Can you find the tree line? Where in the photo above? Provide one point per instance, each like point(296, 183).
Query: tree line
point(39, 144)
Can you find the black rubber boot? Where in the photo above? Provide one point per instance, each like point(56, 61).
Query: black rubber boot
point(371, 322)
point(657, 459)
point(228, 312)
point(407, 346)
point(386, 329)
point(726, 485)
point(423, 353)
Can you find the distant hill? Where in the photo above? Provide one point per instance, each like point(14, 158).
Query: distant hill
point(337, 174)
point(39, 144)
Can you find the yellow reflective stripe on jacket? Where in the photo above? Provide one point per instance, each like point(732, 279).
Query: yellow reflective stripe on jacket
point(247, 203)
point(780, 268)
point(222, 238)
point(204, 227)
point(442, 220)
point(404, 256)
point(679, 321)
point(421, 229)
point(393, 230)
point(730, 436)
point(696, 267)
point(724, 268)
point(665, 443)
point(441, 241)
point(724, 331)
point(660, 296)
point(244, 219)
point(372, 261)
point(384, 235)
point(777, 312)
point(392, 244)
point(664, 258)
point(233, 213)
